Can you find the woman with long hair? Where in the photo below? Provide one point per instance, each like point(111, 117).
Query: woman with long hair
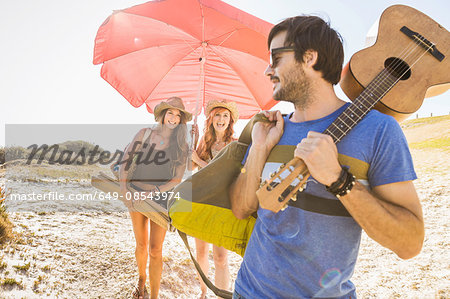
point(167, 147)
point(218, 132)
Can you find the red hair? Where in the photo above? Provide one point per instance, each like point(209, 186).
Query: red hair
point(209, 137)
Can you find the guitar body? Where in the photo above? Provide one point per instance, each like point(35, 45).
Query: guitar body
point(427, 77)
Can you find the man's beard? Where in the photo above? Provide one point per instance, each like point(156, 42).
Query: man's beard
point(295, 89)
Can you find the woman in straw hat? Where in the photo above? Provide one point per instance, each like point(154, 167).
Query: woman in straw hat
point(168, 138)
point(218, 132)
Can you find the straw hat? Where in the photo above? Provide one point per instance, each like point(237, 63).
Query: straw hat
point(224, 104)
point(171, 103)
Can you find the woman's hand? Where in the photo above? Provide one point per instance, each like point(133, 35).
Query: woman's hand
point(197, 160)
point(194, 134)
point(153, 189)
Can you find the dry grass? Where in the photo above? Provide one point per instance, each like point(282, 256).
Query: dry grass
point(57, 173)
point(438, 143)
point(5, 226)
point(34, 172)
point(429, 133)
point(22, 267)
point(11, 282)
point(424, 121)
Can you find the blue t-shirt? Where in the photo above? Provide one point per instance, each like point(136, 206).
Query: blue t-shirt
point(299, 254)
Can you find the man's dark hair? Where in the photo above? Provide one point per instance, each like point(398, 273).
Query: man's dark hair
point(313, 33)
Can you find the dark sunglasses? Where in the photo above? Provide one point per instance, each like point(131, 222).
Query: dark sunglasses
point(273, 52)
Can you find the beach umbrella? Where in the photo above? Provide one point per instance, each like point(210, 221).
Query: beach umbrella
point(194, 49)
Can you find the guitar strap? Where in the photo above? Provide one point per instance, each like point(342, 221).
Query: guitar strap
point(204, 210)
point(320, 205)
point(218, 292)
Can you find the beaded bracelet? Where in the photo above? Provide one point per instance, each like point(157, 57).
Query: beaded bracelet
point(348, 186)
point(348, 181)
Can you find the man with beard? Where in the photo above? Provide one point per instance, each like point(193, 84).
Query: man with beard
point(302, 254)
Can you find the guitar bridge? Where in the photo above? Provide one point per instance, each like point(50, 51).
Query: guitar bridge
point(425, 43)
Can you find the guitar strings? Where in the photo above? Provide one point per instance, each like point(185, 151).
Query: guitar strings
point(404, 69)
point(385, 74)
point(382, 80)
point(361, 100)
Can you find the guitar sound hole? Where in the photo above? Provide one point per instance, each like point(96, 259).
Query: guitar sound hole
point(397, 68)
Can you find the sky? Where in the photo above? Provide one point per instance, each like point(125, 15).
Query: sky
point(46, 56)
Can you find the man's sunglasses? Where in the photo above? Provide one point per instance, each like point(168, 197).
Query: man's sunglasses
point(274, 52)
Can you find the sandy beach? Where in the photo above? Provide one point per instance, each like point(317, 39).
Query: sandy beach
point(88, 251)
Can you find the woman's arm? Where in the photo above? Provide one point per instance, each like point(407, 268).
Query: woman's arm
point(179, 172)
point(197, 160)
point(124, 165)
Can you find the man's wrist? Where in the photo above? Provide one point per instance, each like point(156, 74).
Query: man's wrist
point(260, 149)
point(337, 179)
point(343, 185)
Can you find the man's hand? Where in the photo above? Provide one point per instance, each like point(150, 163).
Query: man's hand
point(320, 155)
point(243, 191)
point(267, 134)
point(390, 214)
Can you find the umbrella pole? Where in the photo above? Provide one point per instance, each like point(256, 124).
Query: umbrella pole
point(195, 134)
point(201, 80)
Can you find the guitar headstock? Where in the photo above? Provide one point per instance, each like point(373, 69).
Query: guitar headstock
point(283, 185)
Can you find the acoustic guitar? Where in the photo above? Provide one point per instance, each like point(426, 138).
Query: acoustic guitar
point(410, 45)
point(410, 60)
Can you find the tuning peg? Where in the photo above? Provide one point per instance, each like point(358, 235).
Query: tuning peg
point(284, 208)
point(294, 197)
point(272, 174)
point(281, 167)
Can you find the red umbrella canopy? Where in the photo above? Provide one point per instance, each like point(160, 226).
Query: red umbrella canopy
point(194, 49)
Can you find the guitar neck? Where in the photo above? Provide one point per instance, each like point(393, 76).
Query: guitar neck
point(353, 114)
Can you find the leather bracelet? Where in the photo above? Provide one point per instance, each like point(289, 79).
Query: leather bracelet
point(348, 186)
point(350, 181)
point(341, 179)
